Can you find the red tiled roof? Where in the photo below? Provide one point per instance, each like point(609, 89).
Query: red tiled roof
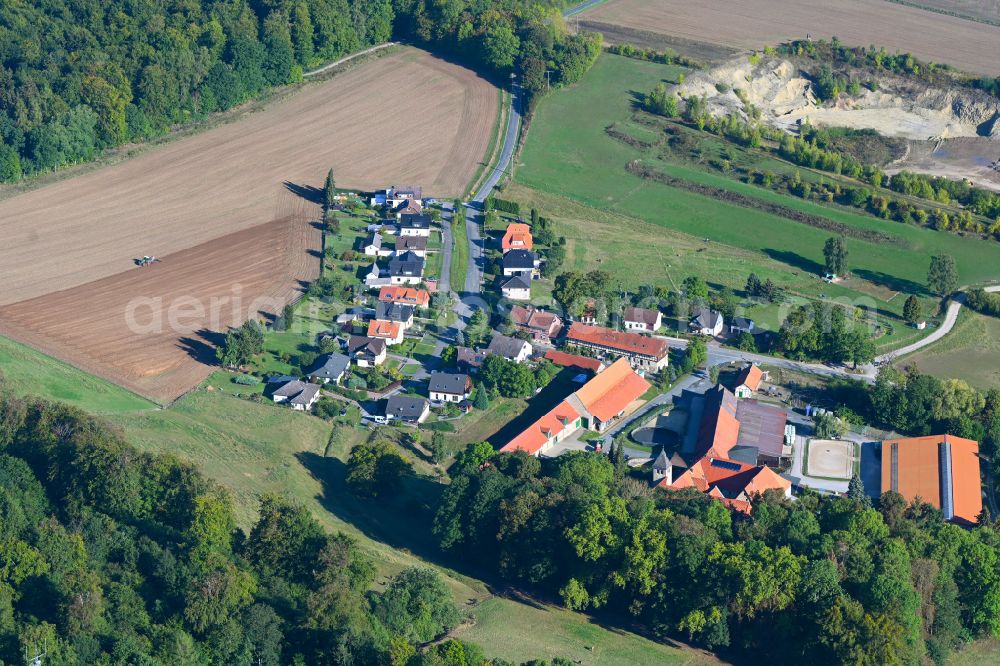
point(535, 436)
point(752, 376)
point(628, 343)
point(734, 483)
point(574, 361)
point(604, 396)
point(383, 329)
point(407, 295)
point(719, 431)
point(914, 467)
point(609, 393)
point(517, 237)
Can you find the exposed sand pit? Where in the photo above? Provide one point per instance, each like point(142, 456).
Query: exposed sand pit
point(830, 458)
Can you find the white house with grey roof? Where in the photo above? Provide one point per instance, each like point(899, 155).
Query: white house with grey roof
point(706, 322)
point(517, 288)
point(297, 394)
point(406, 268)
point(449, 387)
point(513, 349)
point(329, 368)
point(407, 408)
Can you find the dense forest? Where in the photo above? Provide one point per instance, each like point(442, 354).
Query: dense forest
point(815, 580)
point(78, 77)
point(112, 556)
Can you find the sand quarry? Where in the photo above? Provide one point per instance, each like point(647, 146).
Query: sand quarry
point(227, 210)
point(953, 132)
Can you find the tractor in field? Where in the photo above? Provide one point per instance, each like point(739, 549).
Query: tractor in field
point(141, 262)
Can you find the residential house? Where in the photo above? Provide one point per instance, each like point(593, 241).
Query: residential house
point(397, 312)
point(366, 352)
point(942, 470)
point(643, 352)
point(397, 196)
point(406, 268)
point(415, 225)
point(642, 319)
point(373, 244)
point(741, 325)
point(409, 207)
point(418, 298)
point(407, 408)
point(329, 368)
point(297, 394)
point(415, 244)
point(517, 288)
point(469, 359)
point(517, 237)
point(543, 327)
point(375, 278)
point(749, 380)
point(736, 484)
point(597, 405)
point(574, 361)
point(512, 349)
point(520, 262)
point(449, 387)
point(706, 322)
point(391, 332)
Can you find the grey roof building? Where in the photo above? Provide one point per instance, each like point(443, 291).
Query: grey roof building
point(517, 282)
point(510, 348)
point(330, 367)
point(406, 265)
point(450, 383)
point(393, 312)
point(414, 221)
point(519, 260)
point(407, 408)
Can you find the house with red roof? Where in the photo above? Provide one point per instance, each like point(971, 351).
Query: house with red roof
point(542, 326)
point(389, 331)
point(596, 405)
point(942, 470)
point(517, 237)
point(574, 361)
point(645, 353)
point(749, 380)
point(736, 484)
point(405, 295)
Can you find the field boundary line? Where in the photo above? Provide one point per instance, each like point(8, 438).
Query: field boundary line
point(496, 143)
point(337, 63)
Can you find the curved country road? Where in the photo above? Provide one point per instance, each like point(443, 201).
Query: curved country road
point(950, 317)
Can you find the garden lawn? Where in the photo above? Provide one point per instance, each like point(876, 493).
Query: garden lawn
point(29, 372)
point(460, 253)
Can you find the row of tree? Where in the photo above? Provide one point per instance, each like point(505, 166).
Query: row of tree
point(831, 580)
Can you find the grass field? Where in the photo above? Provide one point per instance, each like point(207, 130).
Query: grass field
point(460, 255)
point(29, 372)
point(545, 632)
point(752, 24)
point(673, 233)
point(970, 352)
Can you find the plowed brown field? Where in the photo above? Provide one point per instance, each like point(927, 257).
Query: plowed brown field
point(153, 329)
point(228, 212)
point(403, 118)
point(753, 24)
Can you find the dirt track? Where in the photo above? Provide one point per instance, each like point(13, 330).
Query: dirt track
point(87, 326)
point(752, 24)
point(406, 117)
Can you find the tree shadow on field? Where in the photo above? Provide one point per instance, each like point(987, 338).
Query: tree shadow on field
point(795, 260)
point(201, 346)
point(637, 99)
point(401, 518)
point(892, 282)
point(307, 192)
